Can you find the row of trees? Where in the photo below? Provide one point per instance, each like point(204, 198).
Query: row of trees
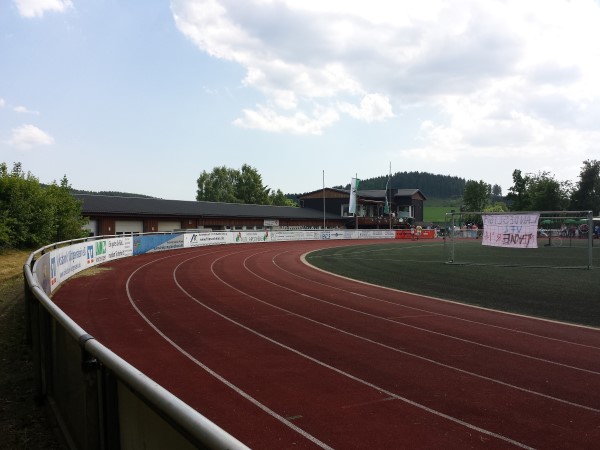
point(33, 215)
point(435, 186)
point(538, 192)
point(228, 185)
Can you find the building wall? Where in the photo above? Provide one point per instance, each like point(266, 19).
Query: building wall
point(332, 205)
point(418, 210)
point(108, 225)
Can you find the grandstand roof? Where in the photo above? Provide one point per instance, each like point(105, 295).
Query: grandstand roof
point(142, 206)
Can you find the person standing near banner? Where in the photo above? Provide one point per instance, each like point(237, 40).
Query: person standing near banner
point(419, 231)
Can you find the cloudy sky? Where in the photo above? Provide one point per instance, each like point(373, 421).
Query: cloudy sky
point(143, 96)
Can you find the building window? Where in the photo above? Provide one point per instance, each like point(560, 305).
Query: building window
point(405, 211)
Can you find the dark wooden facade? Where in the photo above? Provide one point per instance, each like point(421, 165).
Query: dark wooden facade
point(406, 206)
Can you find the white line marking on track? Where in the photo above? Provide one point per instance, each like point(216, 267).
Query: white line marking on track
point(208, 369)
point(372, 402)
point(346, 374)
point(415, 316)
point(395, 349)
point(303, 258)
point(439, 314)
point(416, 327)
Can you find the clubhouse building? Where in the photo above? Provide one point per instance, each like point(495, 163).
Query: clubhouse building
point(322, 209)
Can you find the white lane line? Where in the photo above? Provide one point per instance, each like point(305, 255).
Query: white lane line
point(341, 372)
point(303, 259)
point(426, 330)
point(208, 369)
point(398, 350)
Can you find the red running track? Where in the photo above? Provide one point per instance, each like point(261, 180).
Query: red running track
point(282, 355)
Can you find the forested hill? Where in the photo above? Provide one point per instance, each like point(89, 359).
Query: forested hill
point(432, 186)
point(110, 193)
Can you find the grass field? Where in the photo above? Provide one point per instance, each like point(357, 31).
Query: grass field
point(570, 295)
point(23, 425)
point(435, 214)
point(435, 209)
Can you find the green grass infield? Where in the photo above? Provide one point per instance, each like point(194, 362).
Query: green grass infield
point(534, 282)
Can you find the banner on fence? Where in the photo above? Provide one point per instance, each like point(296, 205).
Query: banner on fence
point(156, 243)
point(204, 239)
point(65, 262)
point(407, 234)
point(55, 267)
point(510, 230)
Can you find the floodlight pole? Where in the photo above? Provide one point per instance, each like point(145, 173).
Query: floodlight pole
point(356, 203)
point(324, 199)
point(452, 239)
point(590, 218)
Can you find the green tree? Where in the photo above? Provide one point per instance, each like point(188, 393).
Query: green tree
point(433, 186)
point(238, 186)
point(32, 215)
point(517, 193)
point(548, 194)
point(218, 185)
point(497, 190)
point(476, 195)
point(278, 198)
point(496, 207)
point(587, 194)
point(68, 222)
point(541, 192)
point(249, 187)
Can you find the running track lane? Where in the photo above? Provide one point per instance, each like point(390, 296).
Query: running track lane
point(282, 355)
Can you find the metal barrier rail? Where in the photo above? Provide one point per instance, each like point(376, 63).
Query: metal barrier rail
point(99, 400)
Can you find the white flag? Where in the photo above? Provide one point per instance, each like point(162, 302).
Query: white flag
point(353, 195)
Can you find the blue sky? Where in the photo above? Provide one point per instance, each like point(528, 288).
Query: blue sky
point(143, 96)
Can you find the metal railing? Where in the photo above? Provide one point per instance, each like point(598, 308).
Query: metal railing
point(99, 400)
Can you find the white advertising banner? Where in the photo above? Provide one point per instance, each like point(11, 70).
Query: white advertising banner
point(121, 247)
point(66, 262)
point(202, 239)
point(244, 237)
point(294, 235)
point(377, 234)
point(510, 230)
point(56, 266)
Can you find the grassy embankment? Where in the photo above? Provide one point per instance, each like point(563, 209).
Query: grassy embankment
point(23, 425)
point(435, 210)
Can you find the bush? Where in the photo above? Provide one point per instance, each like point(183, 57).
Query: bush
point(32, 215)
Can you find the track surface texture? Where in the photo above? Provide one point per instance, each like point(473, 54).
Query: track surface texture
point(282, 355)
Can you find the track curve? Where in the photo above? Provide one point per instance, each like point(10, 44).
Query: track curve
point(282, 355)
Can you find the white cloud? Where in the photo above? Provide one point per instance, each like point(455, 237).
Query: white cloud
point(28, 136)
point(506, 78)
point(373, 107)
point(37, 8)
point(264, 118)
point(24, 110)
point(2, 103)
